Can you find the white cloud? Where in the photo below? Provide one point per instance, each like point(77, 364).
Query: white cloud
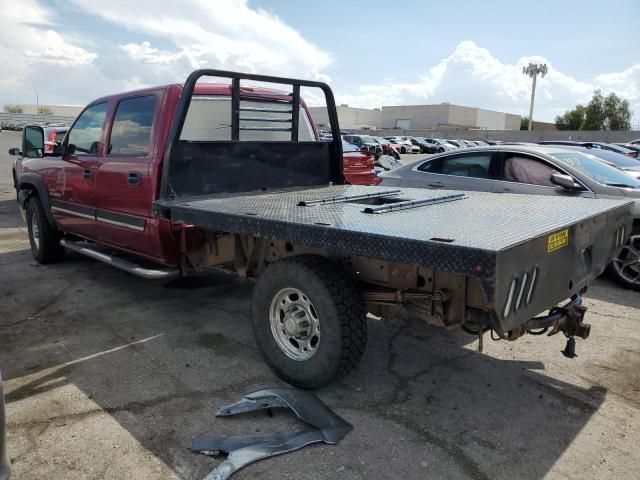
point(229, 34)
point(472, 76)
point(30, 47)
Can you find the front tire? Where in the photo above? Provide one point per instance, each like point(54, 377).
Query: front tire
point(625, 268)
point(308, 321)
point(43, 237)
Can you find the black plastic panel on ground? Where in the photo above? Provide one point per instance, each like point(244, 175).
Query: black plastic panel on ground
point(463, 236)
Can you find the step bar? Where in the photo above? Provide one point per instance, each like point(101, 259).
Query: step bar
point(83, 248)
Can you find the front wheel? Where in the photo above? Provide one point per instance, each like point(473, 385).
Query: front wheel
point(625, 268)
point(308, 321)
point(43, 237)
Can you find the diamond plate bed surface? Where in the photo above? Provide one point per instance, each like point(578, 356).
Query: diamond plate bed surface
point(469, 231)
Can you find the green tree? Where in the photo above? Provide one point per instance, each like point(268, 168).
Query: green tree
point(601, 113)
point(13, 109)
point(45, 110)
point(571, 119)
point(607, 113)
point(594, 113)
point(617, 115)
point(524, 123)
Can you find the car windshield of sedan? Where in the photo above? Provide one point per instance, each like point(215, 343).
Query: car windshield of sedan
point(381, 140)
point(597, 170)
point(367, 139)
point(617, 159)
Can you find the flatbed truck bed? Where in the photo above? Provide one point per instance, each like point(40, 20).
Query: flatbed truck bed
point(474, 234)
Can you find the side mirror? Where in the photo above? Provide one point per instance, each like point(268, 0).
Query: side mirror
point(33, 141)
point(15, 152)
point(71, 149)
point(565, 181)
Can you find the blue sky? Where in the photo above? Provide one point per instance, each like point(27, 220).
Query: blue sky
point(372, 53)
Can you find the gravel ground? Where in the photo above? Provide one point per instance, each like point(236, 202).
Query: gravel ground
point(109, 376)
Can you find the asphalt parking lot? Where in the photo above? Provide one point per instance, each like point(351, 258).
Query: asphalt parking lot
point(109, 376)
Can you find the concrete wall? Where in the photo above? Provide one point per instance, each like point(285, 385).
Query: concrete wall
point(58, 110)
point(518, 135)
point(349, 117)
point(419, 116)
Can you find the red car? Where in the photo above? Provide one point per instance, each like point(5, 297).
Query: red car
point(389, 148)
point(358, 165)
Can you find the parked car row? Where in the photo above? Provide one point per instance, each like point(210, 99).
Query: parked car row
point(18, 127)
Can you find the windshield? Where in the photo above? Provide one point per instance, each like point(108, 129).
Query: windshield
point(381, 140)
point(348, 147)
point(367, 139)
point(617, 159)
point(597, 170)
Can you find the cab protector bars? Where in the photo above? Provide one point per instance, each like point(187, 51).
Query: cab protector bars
point(185, 100)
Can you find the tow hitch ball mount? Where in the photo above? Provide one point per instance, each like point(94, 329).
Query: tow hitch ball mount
point(567, 319)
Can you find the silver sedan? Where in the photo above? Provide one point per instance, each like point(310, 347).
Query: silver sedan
point(536, 170)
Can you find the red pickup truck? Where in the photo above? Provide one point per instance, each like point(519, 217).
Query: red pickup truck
point(170, 180)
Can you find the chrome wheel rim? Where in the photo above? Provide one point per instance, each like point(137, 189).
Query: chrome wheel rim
point(295, 325)
point(35, 231)
point(627, 263)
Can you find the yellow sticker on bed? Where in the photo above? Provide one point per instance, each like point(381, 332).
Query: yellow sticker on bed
point(557, 240)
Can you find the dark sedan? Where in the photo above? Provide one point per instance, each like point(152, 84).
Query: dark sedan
point(601, 145)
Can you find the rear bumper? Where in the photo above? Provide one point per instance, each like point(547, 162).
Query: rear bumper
point(366, 177)
point(5, 469)
point(538, 274)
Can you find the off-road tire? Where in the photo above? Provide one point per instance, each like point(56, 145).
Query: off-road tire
point(340, 311)
point(48, 248)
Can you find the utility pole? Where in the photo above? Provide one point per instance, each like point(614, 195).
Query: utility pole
point(37, 103)
point(533, 70)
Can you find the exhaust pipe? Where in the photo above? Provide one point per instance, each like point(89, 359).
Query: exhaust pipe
point(122, 264)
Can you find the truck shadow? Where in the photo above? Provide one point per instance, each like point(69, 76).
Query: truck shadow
point(10, 214)
point(159, 361)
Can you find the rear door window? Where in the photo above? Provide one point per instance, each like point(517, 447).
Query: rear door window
point(131, 130)
point(475, 165)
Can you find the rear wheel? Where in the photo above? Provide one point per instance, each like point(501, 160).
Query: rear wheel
point(625, 268)
point(441, 150)
point(308, 321)
point(43, 237)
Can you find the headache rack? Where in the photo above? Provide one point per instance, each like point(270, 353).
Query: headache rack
point(311, 163)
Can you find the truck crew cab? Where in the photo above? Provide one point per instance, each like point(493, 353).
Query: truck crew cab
point(171, 180)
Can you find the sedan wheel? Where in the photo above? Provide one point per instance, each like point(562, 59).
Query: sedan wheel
point(626, 266)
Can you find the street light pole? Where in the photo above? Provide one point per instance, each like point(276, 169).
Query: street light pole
point(533, 70)
point(37, 103)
